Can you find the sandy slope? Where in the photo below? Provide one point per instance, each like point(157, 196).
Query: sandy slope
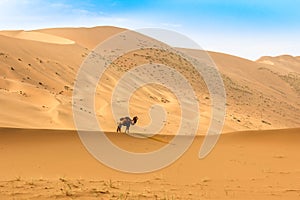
point(47, 164)
point(36, 81)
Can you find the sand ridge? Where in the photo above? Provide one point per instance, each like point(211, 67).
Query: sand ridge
point(37, 36)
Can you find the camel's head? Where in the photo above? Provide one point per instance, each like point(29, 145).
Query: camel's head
point(135, 119)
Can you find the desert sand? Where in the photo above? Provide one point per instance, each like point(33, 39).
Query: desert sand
point(47, 164)
point(42, 156)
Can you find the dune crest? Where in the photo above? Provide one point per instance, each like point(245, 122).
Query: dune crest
point(37, 36)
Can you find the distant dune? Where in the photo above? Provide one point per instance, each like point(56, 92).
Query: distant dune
point(37, 36)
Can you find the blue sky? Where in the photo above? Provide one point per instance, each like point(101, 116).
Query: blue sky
point(248, 29)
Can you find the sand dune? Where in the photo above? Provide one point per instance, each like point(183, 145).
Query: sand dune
point(86, 37)
point(284, 63)
point(37, 36)
point(46, 164)
point(259, 95)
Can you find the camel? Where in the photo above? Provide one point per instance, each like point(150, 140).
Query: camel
point(126, 121)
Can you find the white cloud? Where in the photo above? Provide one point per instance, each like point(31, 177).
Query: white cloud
point(60, 5)
point(13, 2)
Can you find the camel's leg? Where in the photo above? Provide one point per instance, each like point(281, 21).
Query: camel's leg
point(127, 129)
point(119, 128)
